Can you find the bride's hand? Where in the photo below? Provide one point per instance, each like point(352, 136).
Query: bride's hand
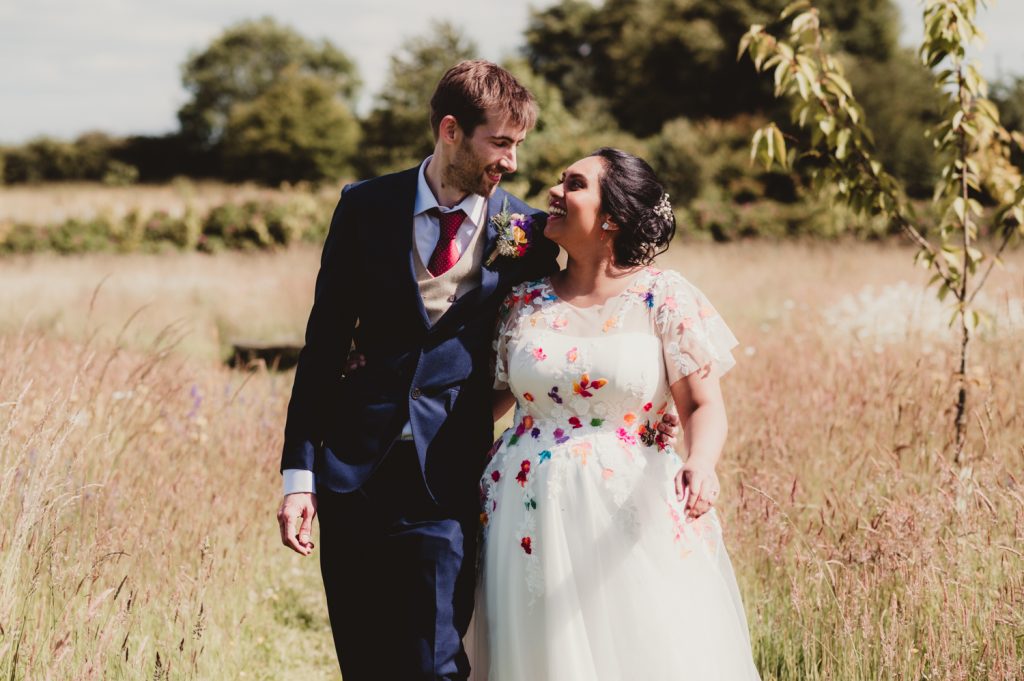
point(698, 487)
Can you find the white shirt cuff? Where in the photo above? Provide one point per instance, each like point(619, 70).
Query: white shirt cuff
point(298, 480)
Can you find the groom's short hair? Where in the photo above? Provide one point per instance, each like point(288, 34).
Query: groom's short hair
point(471, 89)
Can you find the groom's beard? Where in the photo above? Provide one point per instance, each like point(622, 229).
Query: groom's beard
point(468, 173)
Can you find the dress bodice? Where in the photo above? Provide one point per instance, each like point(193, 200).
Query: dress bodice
point(605, 367)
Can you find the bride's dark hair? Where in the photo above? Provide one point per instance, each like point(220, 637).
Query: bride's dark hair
point(630, 192)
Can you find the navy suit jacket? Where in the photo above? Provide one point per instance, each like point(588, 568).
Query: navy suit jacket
point(438, 378)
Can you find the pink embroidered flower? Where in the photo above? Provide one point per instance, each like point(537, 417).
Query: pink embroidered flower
point(648, 406)
point(626, 436)
point(538, 354)
point(608, 473)
point(559, 323)
point(572, 355)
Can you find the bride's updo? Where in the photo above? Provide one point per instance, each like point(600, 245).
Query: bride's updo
point(634, 198)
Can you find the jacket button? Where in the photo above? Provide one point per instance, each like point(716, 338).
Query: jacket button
point(416, 393)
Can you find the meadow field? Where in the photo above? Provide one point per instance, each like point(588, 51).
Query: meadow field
point(139, 482)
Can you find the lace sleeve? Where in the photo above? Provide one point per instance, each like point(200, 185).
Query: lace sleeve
point(693, 334)
point(507, 314)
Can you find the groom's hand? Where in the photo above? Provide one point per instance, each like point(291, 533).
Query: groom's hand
point(667, 430)
point(295, 506)
point(356, 360)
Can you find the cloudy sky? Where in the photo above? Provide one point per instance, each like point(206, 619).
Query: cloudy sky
point(67, 66)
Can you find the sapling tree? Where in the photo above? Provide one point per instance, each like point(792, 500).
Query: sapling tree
point(836, 148)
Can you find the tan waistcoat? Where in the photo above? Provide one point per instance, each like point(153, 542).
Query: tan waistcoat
point(439, 293)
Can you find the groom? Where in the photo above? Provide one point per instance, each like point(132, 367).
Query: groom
point(389, 456)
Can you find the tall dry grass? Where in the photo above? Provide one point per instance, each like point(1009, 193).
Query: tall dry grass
point(139, 477)
point(138, 491)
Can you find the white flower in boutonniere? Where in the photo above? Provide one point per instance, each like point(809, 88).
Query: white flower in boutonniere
point(514, 232)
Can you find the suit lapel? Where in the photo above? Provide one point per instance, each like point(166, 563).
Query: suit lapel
point(396, 214)
point(489, 274)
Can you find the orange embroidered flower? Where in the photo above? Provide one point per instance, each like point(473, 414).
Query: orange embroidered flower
point(572, 355)
point(528, 397)
point(585, 385)
point(629, 418)
point(582, 450)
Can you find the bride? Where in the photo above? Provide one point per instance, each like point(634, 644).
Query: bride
point(603, 558)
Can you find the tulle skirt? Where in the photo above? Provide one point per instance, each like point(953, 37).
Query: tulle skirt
point(595, 574)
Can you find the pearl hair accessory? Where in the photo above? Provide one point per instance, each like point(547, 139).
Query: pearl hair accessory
point(664, 209)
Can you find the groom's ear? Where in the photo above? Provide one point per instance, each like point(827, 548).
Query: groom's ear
point(449, 130)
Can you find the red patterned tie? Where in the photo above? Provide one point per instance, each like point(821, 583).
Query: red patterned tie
point(446, 253)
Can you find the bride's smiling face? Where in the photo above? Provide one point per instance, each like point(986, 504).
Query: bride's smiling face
point(574, 204)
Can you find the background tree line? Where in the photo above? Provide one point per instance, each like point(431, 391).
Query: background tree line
point(659, 77)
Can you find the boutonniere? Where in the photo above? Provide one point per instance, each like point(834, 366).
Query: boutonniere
point(514, 232)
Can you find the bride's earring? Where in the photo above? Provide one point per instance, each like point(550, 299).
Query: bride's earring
point(605, 226)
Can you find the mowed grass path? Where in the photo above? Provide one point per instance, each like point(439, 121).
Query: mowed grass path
point(138, 476)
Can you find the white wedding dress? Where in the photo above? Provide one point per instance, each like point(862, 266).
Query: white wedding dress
point(590, 569)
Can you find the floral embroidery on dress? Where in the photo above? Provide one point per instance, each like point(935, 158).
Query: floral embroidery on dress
point(569, 424)
point(585, 385)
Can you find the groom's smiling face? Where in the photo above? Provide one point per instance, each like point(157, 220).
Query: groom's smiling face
point(479, 160)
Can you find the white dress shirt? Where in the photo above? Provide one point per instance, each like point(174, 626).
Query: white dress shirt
point(426, 232)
